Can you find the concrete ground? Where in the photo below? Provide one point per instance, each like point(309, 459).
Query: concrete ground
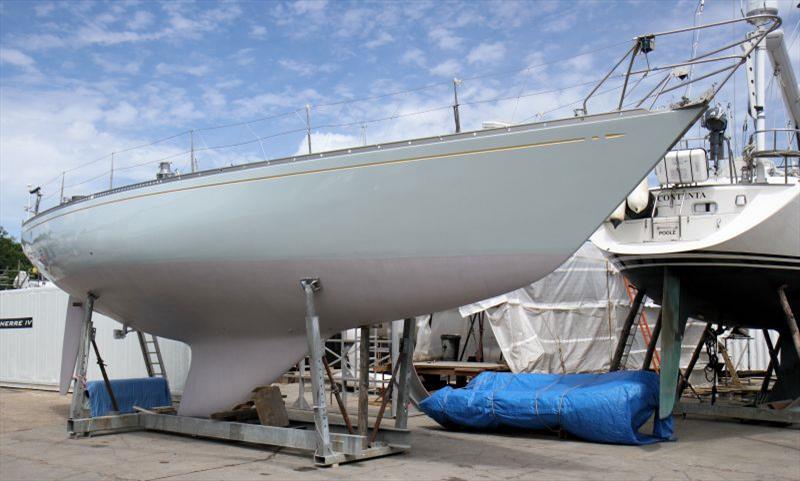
point(34, 445)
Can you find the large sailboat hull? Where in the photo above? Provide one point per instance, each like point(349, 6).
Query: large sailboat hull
point(392, 231)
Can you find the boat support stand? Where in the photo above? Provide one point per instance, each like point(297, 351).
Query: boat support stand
point(324, 433)
point(789, 413)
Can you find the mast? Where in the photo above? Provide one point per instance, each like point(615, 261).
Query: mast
point(782, 66)
point(759, 66)
point(758, 82)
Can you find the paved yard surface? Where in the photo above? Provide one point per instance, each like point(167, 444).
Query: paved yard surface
point(34, 445)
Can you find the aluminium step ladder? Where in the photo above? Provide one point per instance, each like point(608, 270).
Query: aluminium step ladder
point(631, 336)
point(644, 328)
point(151, 353)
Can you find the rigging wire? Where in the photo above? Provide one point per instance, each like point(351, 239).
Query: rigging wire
point(695, 41)
point(336, 103)
point(570, 104)
point(733, 115)
point(345, 103)
point(394, 116)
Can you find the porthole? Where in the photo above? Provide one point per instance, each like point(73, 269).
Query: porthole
point(704, 208)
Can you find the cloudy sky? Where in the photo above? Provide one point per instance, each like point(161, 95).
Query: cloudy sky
point(79, 80)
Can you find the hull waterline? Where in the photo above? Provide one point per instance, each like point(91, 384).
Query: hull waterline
point(393, 232)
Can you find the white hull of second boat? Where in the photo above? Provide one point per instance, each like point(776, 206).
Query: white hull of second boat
point(392, 231)
point(732, 260)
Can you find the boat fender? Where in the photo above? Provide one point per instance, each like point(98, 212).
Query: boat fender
point(618, 215)
point(639, 198)
point(646, 212)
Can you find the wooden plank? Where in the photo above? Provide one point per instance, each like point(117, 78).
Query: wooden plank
point(457, 368)
point(738, 412)
point(729, 364)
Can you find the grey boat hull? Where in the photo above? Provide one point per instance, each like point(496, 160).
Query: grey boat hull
point(391, 231)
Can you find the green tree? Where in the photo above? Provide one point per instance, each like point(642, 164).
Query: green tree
point(12, 259)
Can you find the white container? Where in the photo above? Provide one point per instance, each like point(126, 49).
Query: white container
point(31, 357)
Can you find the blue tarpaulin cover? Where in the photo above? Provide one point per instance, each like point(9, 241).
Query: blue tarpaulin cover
point(148, 392)
point(607, 408)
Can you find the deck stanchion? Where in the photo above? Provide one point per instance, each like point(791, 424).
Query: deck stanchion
point(308, 126)
point(456, 116)
point(61, 194)
point(111, 173)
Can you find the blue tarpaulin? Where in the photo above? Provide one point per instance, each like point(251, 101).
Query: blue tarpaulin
point(148, 392)
point(607, 408)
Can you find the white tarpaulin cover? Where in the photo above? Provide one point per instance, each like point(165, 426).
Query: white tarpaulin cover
point(565, 323)
point(429, 334)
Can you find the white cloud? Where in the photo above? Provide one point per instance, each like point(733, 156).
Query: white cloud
point(309, 6)
point(248, 107)
point(382, 39)
point(198, 70)
point(327, 141)
point(258, 31)
point(42, 41)
point(579, 64)
point(94, 34)
point(243, 57)
point(122, 114)
point(106, 18)
point(505, 15)
point(43, 9)
point(16, 58)
point(228, 84)
point(354, 22)
point(445, 39)
point(81, 131)
point(34, 151)
point(448, 68)
point(413, 56)
point(214, 98)
point(305, 69)
point(114, 66)
point(140, 20)
point(184, 110)
point(182, 21)
point(560, 23)
point(487, 53)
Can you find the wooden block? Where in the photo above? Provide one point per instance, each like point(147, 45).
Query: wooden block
point(236, 415)
point(247, 405)
point(270, 406)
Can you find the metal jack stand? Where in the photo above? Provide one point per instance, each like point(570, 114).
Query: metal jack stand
point(324, 454)
point(77, 409)
point(300, 402)
point(326, 434)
